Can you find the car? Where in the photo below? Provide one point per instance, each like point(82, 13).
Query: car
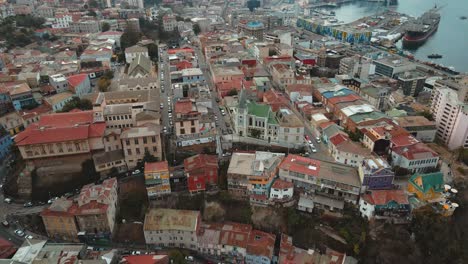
point(165, 130)
point(314, 150)
point(161, 105)
point(19, 232)
point(52, 200)
point(5, 223)
point(189, 258)
point(318, 139)
point(223, 112)
point(8, 200)
point(135, 172)
point(169, 115)
point(311, 145)
point(169, 110)
point(29, 237)
point(28, 204)
point(1, 186)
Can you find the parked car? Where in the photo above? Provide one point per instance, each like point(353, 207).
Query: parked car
point(308, 139)
point(8, 200)
point(161, 105)
point(314, 150)
point(136, 172)
point(52, 200)
point(28, 204)
point(29, 237)
point(318, 139)
point(19, 232)
point(5, 223)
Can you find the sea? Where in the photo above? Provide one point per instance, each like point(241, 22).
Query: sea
point(450, 40)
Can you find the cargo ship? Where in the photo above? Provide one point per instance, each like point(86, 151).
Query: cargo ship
point(418, 31)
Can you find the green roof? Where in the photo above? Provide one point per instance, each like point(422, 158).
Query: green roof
point(272, 120)
point(430, 181)
point(396, 113)
point(357, 118)
point(260, 110)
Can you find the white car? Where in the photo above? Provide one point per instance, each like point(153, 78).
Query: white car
point(161, 105)
point(318, 139)
point(165, 130)
point(19, 233)
point(29, 237)
point(311, 145)
point(314, 150)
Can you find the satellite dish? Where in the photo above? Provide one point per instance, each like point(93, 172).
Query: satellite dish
point(455, 205)
point(454, 190)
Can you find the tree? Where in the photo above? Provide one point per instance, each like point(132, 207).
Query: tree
point(196, 29)
point(77, 103)
point(103, 84)
point(179, 18)
point(176, 257)
point(147, 158)
point(105, 27)
point(255, 133)
point(89, 171)
point(252, 4)
point(93, 4)
point(232, 92)
point(92, 13)
point(153, 51)
point(129, 38)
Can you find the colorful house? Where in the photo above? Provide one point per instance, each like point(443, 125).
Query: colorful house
point(201, 170)
point(5, 143)
point(157, 178)
point(427, 186)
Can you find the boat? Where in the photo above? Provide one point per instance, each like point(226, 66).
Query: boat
point(434, 56)
point(418, 31)
point(463, 17)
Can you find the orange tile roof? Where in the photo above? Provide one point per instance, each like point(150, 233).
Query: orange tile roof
point(77, 79)
point(261, 244)
point(235, 234)
point(301, 164)
point(281, 184)
point(382, 197)
point(156, 166)
point(183, 107)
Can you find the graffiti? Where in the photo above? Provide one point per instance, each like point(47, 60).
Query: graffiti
point(333, 31)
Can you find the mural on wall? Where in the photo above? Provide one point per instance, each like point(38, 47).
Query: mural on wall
point(336, 32)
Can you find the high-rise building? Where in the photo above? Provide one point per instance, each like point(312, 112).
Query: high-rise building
point(449, 108)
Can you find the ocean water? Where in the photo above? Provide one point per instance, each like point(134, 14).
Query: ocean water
point(450, 40)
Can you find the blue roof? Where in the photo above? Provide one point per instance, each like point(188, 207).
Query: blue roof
point(342, 92)
point(254, 24)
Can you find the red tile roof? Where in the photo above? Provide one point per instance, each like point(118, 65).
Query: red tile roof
point(145, 259)
point(60, 127)
point(261, 244)
point(416, 152)
point(382, 197)
point(235, 234)
point(92, 208)
point(338, 139)
point(156, 166)
point(301, 164)
point(281, 184)
point(183, 65)
point(77, 79)
point(342, 99)
point(7, 249)
point(183, 107)
point(403, 140)
point(182, 50)
point(200, 161)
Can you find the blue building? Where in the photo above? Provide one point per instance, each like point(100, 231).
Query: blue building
point(21, 96)
point(192, 75)
point(5, 143)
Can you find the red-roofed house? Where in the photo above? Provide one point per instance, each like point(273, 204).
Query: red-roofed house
point(416, 158)
point(145, 259)
point(260, 248)
point(234, 239)
point(97, 206)
point(187, 117)
point(384, 204)
point(79, 84)
point(61, 135)
point(59, 220)
point(183, 65)
point(7, 249)
point(345, 151)
point(201, 170)
point(281, 189)
point(275, 99)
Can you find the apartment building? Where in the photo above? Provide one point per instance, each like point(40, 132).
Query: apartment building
point(418, 126)
point(186, 118)
point(59, 82)
point(169, 23)
point(282, 75)
point(417, 158)
point(136, 141)
point(347, 152)
point(85, 26)
point(79, 84)
point(252, 174)
point(97, 207)
point(59, 220)
point(449, 108)
point(325, 184)
point(375, 174)
point(157, 179)
point(390, 66)
point(62, 135)
point(172, 228)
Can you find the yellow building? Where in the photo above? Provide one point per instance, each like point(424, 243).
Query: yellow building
point(157, 178)
point(59, 220)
